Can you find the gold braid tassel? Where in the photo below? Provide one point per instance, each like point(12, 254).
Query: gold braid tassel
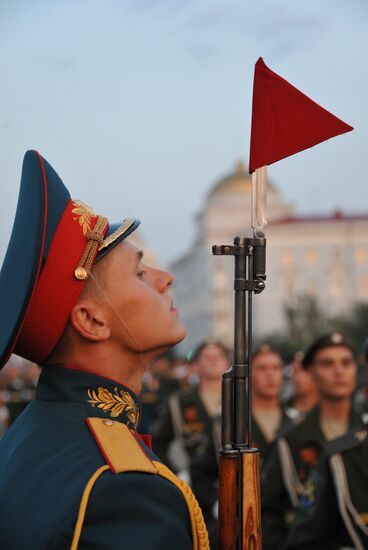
point(199, 530)
point(94, 239)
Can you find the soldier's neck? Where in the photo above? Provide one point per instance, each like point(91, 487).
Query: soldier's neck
point(210, 385)
point(261, 402)
point(126, 367)
point(304, 403)
point(336, 409)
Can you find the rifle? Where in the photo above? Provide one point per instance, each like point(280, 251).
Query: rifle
point(274, 136)
point(239, 481)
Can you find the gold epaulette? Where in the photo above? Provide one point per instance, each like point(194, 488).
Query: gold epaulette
point(123, 453)
point(120, 448)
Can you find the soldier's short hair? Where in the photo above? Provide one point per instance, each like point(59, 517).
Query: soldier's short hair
point(265, 348)
point(209, 342)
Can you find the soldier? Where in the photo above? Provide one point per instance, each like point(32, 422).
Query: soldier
point(76, 298)
point(331, 360)
point(188, 421)
point(269, 420)
point(361, 396)
point(305, 393)
point(158, 383)
point(333, 510)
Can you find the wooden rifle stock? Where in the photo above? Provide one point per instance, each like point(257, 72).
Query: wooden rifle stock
point(239, 519)
point(239, 502)
point(251, 512)
point(228, 526)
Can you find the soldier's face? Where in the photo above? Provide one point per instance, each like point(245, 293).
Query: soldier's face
point(267, 375)
point(212, 362)
point(334, 370)
point(304, 382)
point(142, 317)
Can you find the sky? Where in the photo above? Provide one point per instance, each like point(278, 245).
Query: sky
point(142, 105)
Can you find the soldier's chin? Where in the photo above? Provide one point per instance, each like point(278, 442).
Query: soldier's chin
point(339, 395)
point(181, 334)
point(174, 340)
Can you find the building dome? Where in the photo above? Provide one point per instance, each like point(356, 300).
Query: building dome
point(238, 181)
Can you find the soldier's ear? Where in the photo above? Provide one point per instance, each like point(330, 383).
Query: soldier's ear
point(90, 321)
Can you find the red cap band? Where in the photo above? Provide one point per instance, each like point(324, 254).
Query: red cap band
point(57, 289)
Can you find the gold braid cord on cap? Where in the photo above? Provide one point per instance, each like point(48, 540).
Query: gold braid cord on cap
point(94, 238)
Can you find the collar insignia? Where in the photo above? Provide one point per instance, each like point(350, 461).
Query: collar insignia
point(114, 403)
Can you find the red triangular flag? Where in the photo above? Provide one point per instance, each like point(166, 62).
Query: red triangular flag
point(284, 120)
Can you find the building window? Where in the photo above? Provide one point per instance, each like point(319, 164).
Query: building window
point(362, 256)
point(363, 285)
point(336, 255)
point(287, 258)
point(336, 287)
point(312, 256)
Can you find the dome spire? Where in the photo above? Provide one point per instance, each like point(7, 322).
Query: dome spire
point(240, 167)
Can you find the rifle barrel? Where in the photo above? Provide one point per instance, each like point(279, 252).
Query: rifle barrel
point(239, 493)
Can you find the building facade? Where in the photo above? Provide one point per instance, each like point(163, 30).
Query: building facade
point(325, 256)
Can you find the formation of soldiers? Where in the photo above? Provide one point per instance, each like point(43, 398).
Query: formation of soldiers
point(310, 428)
point(313, 444)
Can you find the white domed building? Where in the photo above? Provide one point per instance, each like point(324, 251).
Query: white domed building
point(324, 256)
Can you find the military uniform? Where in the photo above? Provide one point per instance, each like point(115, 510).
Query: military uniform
point(81, 426)
point(183, 432)
point(289, 418)
point(333, 512)
point(204, 469)
point(74, 472)
point(155, 391)
point(296, 454)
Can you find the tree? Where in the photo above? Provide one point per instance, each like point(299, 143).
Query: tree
point(305, 321)
point(354, 326)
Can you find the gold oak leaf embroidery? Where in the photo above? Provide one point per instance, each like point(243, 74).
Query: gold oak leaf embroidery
point(114, 403)
point(83, 215)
